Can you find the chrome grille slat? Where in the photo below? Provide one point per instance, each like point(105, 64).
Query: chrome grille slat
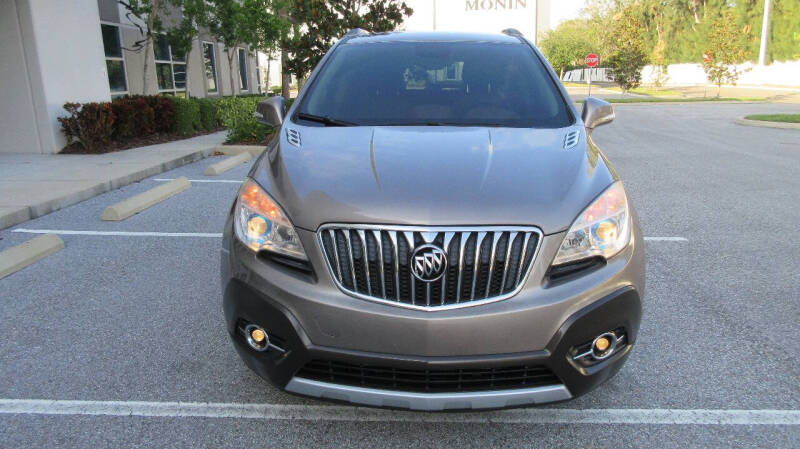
point(376, 234)
point(346, 234)
point(332, 235)
point(524, 250)
point(409, 236)
point(503, 256)
point(477, 265)
point(464, 237)
point(393, 238)
point(448, 237)
point(492, 259)
point(365, 257)
point(511, 238)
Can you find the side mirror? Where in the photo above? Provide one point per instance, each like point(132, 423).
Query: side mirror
point(596, 112)
point(271, 111)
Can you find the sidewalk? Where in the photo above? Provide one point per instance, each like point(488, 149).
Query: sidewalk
point(32, 185)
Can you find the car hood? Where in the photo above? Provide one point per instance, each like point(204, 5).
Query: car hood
point(432, 176)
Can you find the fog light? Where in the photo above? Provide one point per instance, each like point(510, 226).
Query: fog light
point(258, 335)
point(257, 338)
point(600, 345)
point(600, 348)
point(603, 345)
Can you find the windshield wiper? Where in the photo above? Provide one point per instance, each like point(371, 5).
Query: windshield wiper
point(476, 124)
point(327, 121)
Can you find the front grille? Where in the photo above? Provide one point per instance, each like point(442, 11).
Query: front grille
point(483, 264)
point(430, 381)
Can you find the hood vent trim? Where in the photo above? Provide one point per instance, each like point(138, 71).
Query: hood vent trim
point(293, 136)
point(571, 139)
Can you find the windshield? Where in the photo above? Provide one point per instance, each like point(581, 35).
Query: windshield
point(436, 83)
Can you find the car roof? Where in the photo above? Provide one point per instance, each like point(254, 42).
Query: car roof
point(432, 36)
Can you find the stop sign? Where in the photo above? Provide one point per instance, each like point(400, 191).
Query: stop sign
point(592, 60)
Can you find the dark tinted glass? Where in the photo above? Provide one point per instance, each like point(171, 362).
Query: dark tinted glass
point(111, 43)
point(438, 83)
point(180, 75)
point(164, 75)
point(116, 75)
point(210, 66)
point(161, 48)
point(242, 69)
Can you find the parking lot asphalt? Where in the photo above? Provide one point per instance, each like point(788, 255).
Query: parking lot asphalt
point(138, 318)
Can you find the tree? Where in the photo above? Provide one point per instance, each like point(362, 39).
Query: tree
point(724, 50)
point(266, 25)
point(316, 24)
point(145, 15)
point(181, 36)
point(228, 23)
point(566, 46)
point(627, 50)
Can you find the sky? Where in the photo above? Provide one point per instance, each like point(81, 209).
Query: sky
point(561, 10)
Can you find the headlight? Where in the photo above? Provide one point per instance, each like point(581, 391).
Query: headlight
point(602, 229)
point(261, 224)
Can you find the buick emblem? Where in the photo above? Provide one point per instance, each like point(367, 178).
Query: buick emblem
point(428, 263)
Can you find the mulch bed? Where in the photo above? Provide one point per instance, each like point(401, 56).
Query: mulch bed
point(154, 139)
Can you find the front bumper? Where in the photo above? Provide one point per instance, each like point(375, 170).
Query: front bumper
point(310, 319)
point(621, 309)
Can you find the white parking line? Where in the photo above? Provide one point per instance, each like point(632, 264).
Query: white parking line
point(360, 414)
point(120, 233)
point(232, 181)
point(214, 235)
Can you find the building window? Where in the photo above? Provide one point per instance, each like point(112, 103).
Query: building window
point(115, 63)
point(170, 68)
point(242, 69)
point(210, 62)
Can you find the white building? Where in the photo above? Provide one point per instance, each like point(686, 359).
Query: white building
point(58, 51)
point(487, 16)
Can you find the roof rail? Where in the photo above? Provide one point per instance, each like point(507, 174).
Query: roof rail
point(512, 32)
point(357, 32)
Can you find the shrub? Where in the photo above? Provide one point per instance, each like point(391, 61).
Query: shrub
point(276, 90)
point(90, 124)
point(133, 117)
point(249, 132)
point(236, 114)
point(164, 110)
point(187, 116)
point(209, 117)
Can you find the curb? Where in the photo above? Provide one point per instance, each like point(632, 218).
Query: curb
point(16, 216)
point(9, 216)
point(142, 201)
point(767, 124)
point(227, 164)
point(232, 150)
point(18, 257)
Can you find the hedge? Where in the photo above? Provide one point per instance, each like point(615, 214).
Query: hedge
point(187, 116)
point(96, 126)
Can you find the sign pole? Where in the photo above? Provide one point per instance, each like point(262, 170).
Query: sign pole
point(591, 60)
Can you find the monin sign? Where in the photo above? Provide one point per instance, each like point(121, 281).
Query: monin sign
point(485, 5)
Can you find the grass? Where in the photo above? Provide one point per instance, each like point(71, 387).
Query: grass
point(654, 91)
point(649, 91)
point(784, 118)
point(675, 100)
